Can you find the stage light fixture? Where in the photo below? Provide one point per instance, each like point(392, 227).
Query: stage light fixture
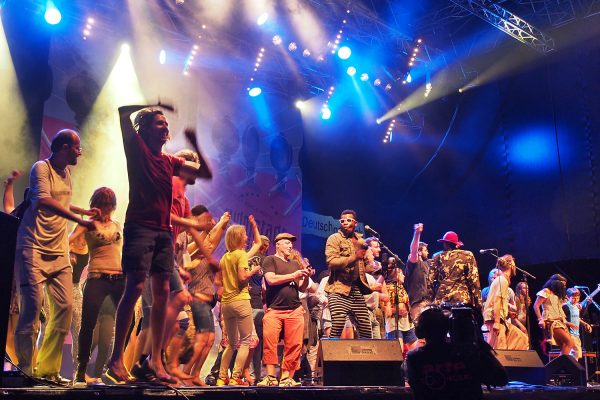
point(255, 91)
point(52, 14)
point(262, 19)
point(408, 78)
point(162, 57)
point(377, 82)
point(364, 77)
point(325, 113)
point(292, 46)
point(351, 71)
point(344, 52)
point(277, 40)
point(306, 53)
point(388, 87)
point(300, 105)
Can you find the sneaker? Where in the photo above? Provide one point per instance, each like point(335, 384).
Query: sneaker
point(55, 380)
point(143, 373)
point(222, 382)
point(237, 382)
point(210, 380)
point(268, 380)
point(288, 382)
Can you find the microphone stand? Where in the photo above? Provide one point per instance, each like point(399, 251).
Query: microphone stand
point(525, 275)
point(383, 246)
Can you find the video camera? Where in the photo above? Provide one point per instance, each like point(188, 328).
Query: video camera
point(465, 323)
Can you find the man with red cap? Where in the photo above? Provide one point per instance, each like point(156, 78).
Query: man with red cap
point(456, 273)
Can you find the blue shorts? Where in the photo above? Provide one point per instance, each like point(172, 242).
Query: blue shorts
point(147, 250)
point(407, 336)
point(175, 282)
point(203, 316)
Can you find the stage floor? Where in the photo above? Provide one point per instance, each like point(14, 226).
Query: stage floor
point(513, 391)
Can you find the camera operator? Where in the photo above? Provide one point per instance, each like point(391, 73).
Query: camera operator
point(451, 370)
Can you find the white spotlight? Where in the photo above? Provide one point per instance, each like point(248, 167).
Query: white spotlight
point(262, 19)
point(351, 71)
point(162, 57)
point(344, 52)
point(277, 40)
point(306, 53)
point(364, 77)
point(292, 46)
point(300, 105)
point(377, 82)
point(125, 48)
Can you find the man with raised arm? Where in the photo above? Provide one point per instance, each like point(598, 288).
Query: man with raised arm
point(148, 243)
point(417, 272)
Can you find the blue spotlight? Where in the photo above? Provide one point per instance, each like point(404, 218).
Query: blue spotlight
point(52, 14)
point(255, 91)
point(344, 52)
point(351, 71)
point(325, 113)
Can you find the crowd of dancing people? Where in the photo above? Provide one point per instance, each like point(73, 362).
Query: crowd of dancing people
point(135, 291)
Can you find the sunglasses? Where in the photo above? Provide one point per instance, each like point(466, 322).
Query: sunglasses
point(342, 220)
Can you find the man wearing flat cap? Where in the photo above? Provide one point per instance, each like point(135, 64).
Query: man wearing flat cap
point(283, 279)
point(456, 273)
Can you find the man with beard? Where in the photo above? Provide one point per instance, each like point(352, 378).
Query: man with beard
point(42, 258)
point(345, 253)
point(417, 271)
point(283, 279)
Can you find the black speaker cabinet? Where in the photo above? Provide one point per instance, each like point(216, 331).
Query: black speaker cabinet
point(565, 371)
point(8, 242)
point(523, 366)
point(361, 362)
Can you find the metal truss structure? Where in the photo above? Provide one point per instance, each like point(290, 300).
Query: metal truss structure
point(509, 23)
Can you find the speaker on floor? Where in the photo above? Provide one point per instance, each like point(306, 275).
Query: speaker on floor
point(564, 370)
point(523, 366)
point(361, 362)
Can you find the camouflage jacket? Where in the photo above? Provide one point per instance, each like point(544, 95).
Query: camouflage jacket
point(455, 274)
point(339, 253)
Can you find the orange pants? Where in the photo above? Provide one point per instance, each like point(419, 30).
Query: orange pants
point(292, 323)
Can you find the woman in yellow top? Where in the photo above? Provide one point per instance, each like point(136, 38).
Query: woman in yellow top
point(235, 301)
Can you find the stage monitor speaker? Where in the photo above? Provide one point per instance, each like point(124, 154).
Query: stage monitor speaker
point(361, 362)
point(565, 371)
point(523, 366)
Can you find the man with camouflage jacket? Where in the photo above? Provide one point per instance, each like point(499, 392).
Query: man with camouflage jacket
point(454, 272)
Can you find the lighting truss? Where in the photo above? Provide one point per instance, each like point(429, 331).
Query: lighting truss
point(555, 12)
point(509, 23)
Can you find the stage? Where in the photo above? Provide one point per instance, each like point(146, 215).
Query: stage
point(514, 391)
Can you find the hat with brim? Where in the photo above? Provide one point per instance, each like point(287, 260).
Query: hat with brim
point(265, 239)
point(451, 237)
point(285, 235)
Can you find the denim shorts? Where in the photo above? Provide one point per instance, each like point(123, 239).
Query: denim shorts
point(203, 316)
point(147, 250)
point(408, 336)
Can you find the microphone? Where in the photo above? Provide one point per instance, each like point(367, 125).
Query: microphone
point(371, 231)
point(486, 251)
